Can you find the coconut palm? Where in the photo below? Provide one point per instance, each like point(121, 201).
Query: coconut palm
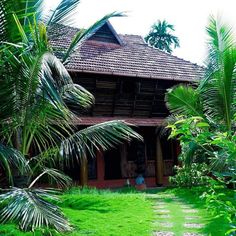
point(213, 98)
point(161, 37)
point(209, 105)
point(37, 127)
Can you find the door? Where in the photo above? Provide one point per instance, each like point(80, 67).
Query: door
point(112, 161)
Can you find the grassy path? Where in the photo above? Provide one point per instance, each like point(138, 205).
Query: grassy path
point(179, 216)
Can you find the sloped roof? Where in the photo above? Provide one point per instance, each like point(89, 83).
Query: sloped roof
point(132, 58)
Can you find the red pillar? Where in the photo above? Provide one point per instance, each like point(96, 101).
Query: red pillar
point(100, 167)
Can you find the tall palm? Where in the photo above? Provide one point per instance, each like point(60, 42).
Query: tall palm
point(161, 37)
point(213, 98)
point(37, 127)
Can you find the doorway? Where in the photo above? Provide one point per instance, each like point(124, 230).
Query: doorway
point(112, 160)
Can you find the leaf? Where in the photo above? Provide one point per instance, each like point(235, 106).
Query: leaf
point(29, 208)
point(10, 158)
point(60, 178)
point(97, 137)
point(202, 124)
point(184, 100)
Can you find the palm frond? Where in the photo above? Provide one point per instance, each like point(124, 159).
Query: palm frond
point(23, 9)
point(76, 96)
point(161, 37)
point(63, 13)
point(59, 85)
point(60, 178)
point(10, 158)
point(97, 137)
point(219, 87)
point(31, 211)
point(184, 100)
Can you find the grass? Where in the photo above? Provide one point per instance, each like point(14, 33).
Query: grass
point(130, 213)
point(101, 213)
point(188, 198)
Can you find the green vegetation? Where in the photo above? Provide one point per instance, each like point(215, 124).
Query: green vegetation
point(101, 213)
point(130, 213)
point(188, 176)
point(161, 37)
point(39, 104)
point(178, 199)
point(203, 120)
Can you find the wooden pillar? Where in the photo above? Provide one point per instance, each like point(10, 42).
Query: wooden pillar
point(159, 162)
point(84, 171)
point(100, 167)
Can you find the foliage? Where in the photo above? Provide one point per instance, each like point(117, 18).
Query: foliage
point(191, 197)
point(29, 208)
point(203, 117)
point(38, 130)
point(189, 176)
point(221, 203)
point(161, 37)
point(100, 213)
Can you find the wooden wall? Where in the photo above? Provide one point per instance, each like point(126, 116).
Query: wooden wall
point(124, 96)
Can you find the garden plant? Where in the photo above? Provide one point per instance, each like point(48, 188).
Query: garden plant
point(38, 132)
point(203, 120)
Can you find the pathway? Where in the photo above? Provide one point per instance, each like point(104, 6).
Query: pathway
point(176, 217)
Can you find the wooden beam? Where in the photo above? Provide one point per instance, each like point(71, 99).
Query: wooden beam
point(84, 171)
point(159, 162)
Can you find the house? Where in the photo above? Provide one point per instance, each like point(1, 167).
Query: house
point(129, 80)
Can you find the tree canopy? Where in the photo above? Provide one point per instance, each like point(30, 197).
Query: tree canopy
point(161, 36)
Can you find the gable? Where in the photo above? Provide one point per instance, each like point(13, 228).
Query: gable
point(106, 34)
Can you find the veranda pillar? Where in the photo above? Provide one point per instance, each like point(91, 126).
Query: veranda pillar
point(159, 162)
point(84, 171)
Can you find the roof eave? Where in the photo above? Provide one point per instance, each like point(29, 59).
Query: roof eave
point(129, 75)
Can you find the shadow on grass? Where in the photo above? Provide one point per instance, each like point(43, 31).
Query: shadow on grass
point(87, 203)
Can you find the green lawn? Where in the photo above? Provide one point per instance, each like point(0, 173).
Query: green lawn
point(102, 213)
point(175, 201)
point(131, 213)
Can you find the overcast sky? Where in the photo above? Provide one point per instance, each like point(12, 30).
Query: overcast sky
point(188, 16)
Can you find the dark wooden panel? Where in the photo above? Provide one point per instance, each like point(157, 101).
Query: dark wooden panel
point(140, 97)
point(104, 34)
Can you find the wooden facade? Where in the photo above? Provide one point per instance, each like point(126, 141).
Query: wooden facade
point(135, 100)
point(128, 80)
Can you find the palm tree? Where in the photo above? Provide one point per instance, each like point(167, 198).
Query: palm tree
point(211, 100)
point(37, 127)
point(161, 37)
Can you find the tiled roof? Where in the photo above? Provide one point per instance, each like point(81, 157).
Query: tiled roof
point(135, 121)
point(133, 58)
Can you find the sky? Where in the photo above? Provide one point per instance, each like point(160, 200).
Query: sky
point(189, 17)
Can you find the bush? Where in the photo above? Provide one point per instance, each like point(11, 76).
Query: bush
point(189, 176)
point(220, 201)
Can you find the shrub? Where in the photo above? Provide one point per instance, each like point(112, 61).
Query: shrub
point(192, 175)
point(220, 201)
